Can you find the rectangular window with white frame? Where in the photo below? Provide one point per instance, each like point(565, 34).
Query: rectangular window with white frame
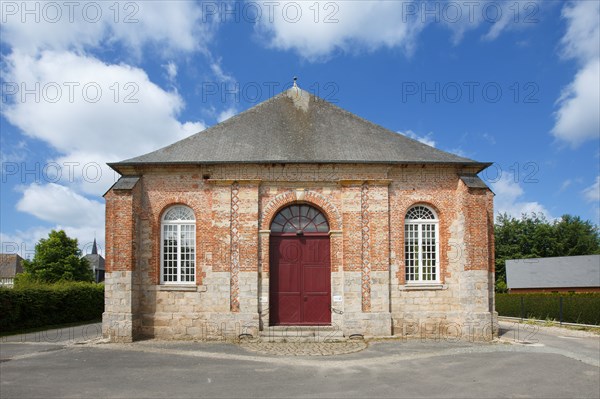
point(178, 246)
point(421, 246)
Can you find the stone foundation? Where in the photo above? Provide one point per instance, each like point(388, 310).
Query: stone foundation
point(199, 326)
point(447, 326)
point(120, 321)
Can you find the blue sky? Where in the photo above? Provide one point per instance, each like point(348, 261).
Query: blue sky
point(84, 83)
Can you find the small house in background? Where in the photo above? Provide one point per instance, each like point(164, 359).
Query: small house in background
point(96, 263)
point(10, 266)
point(559, 274)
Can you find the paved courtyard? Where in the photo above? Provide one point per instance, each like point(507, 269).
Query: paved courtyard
point(527, 361)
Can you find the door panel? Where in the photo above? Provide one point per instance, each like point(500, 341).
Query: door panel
point(317, 310)
point(289, 279)
point(316, 279)
point(289, 308)
point(300, 280)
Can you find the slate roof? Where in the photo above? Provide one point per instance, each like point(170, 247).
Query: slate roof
point(125, 183)
point(96, 261)
point(557, 272)
point(297, 127)
point(473, 181)
point(10, 265)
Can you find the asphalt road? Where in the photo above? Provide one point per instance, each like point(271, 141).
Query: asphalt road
point(526, 362)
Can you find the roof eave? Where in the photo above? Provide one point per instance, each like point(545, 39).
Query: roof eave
point(119, 166)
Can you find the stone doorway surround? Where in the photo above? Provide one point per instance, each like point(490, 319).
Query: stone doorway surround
point(318, 201)
point(300, 269)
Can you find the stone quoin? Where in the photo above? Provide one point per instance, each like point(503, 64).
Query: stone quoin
point(297, 213)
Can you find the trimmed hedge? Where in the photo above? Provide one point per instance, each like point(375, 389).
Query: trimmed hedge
point(45, 305)
point(581, 308)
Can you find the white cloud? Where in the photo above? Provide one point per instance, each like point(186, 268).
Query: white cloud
point(115, 111)
point(169, 25)
point(507, 199)
point(171, 69)
point(226, 114)
point(16, 153)
point(582, 39)
point(565, 184)
point(23, 242)
point(217, 70)
point(592, 193)
point(426, 139)
point(458, 151)
point(339, 26)
point(489, 138)
point(58, 204)
point(499, 15)
point(577, 119)
point(64, 209)
point(318, 29)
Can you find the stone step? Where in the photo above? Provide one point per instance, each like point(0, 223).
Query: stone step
point(321, 339)
point(301, 330)
point(302, 334)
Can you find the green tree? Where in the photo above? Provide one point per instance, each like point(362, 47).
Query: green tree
point(576, 237)
point(533, 236)
point(57, 258)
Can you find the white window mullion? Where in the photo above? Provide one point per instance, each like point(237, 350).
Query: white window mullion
point(178, 253)
point(437, 252)
point(420, 252)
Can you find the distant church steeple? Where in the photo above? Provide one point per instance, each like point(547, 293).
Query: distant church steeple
point(94, 248)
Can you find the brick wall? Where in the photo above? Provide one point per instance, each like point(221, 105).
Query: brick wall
point(365, 206)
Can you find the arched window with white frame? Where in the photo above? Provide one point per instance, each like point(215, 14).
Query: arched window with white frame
point(178, 249)
point(421, 245)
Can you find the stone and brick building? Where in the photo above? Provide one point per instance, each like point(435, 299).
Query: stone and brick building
point(10, 266)
point(298, 213)
point(96, 262)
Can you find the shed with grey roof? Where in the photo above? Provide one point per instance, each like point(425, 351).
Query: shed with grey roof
point(558, 274)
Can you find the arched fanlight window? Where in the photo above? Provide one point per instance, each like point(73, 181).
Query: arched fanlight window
point(420, 213)
point(299, 218)
point(421, 246)
point(178, 249)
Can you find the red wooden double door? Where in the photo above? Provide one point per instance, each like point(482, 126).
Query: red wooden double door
point(300, 280)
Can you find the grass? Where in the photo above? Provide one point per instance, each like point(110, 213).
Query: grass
point(554, 323)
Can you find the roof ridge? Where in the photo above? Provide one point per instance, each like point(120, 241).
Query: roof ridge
point(287, 129)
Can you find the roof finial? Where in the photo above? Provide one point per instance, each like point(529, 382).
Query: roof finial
point(299, 97)
point(295, 86)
